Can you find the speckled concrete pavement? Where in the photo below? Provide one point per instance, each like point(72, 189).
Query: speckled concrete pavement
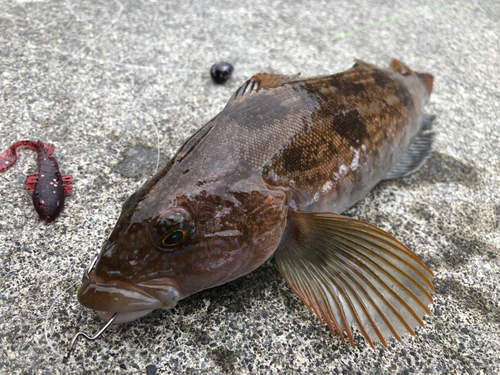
point(94, 77)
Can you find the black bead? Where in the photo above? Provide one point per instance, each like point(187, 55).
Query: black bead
point(221, 72)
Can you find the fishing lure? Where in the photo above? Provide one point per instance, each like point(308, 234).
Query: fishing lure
point(50, 187)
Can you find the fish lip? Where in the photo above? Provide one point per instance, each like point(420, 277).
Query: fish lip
point(123, 317)
point(128, 298)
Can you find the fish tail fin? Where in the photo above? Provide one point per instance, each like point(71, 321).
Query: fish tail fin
point(348, 271)
point(400, 67)
point(427, 80)
point(403, 69)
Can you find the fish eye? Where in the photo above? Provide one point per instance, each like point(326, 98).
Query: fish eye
point(175, 238)
point(171, 229)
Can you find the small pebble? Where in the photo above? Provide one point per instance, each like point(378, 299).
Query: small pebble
point(151, 369)
point(221, 72)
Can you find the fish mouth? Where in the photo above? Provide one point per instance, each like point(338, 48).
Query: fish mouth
point(131, 300)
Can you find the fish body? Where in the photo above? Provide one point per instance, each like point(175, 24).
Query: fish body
point(270, 175)
point(48, 185)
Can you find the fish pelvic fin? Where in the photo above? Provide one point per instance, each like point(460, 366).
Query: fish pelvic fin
point(418, 151)
point(348, 271)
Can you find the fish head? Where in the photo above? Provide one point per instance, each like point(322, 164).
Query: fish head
point(160, 253)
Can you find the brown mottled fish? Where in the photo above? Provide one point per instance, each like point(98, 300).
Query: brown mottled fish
point(271, 174)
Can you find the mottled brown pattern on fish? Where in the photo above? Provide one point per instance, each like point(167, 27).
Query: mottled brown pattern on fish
point(300, 130)
point(363, 111)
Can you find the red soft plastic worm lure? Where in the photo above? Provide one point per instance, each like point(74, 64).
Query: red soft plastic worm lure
point(50, 187)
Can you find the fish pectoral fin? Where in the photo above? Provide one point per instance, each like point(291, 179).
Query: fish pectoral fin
point(262, 81)
point(349, 271)
point(416, 154)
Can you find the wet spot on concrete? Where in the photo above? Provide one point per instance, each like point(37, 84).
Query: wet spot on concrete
point(112, 136)
point(470, 246)
point(138, 161)
point(199, 337)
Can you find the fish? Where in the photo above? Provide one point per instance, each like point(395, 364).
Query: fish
point(271, 175)
point(49, 186)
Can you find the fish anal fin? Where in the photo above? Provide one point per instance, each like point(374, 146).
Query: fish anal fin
point(67, 184)
point(349, 271)
point(416, 154)
point(262, 81)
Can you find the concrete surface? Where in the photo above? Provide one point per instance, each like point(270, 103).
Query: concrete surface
point(94, 77)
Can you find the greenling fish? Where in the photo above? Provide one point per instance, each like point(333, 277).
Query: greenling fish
point(271, 174)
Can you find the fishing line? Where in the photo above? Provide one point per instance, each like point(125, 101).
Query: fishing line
point(412, 11)
point(47, 317)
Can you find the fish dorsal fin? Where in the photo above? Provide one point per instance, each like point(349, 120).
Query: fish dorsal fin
point(360, 64)
point(417, 153)
point(263, 81)
point(349, 271)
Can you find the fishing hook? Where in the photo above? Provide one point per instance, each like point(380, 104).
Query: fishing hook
point(75, 337)
point(91, 267)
